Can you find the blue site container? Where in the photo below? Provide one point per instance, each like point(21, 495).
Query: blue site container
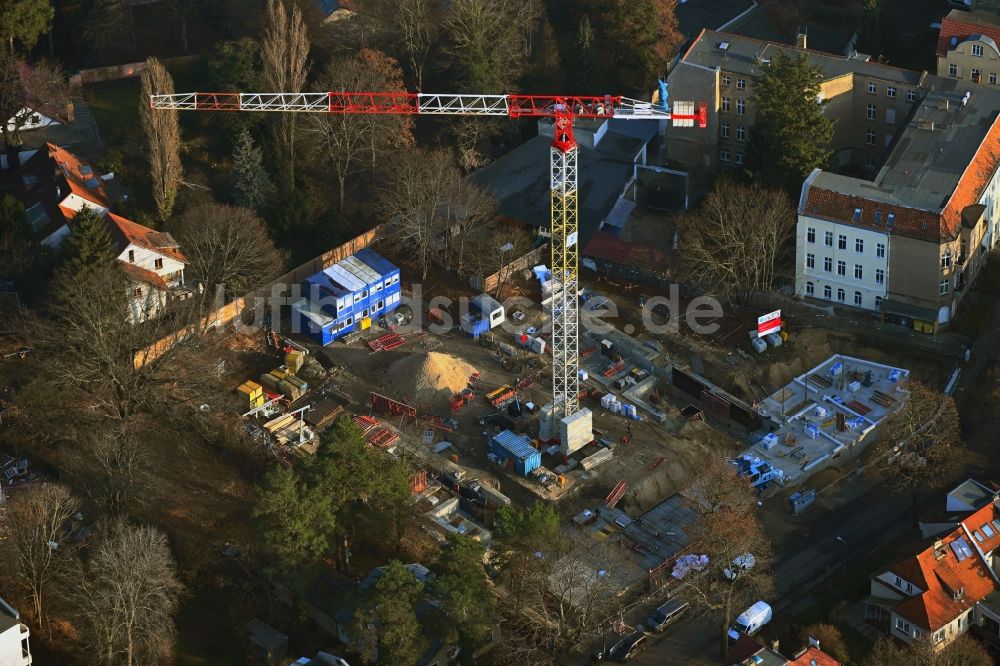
point(518, 449)
point(355, 292)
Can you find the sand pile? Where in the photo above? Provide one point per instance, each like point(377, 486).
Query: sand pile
point(426, 378)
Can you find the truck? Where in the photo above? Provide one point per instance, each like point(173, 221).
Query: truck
point(758, 472)
point(750, 621)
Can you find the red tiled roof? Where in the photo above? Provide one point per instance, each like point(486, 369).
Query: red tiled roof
point(52, 164)
point(609, 247)
point(143, 275)
point(984, 517)
point(953, 25)
point(940, 578)
point(128, 232)
point(973, 181)
point(813, 657)
point(840, 207)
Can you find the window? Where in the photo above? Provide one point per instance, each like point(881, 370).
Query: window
point(158, 264)
point(993, 78)
point(871, 112)
point(879, 276)
point(724, 155)
point(858, 272)
point(946, 259)
point(952, 69)
point(724, 130)
point(859, 245)
point(903, 626)
point(364, 313)
point(870, 137)
point(909, 587)
point(741, 107)
point(878, 217)
point(739, 158)
point(880, 250)
point(395, 279)
point(741, 84)
point(890, 116)
point(911, 95)
point(131, 256)
point(878, 301)
point(725, 79)
point(890, 91)
point(977, 50)
point(978, 535)
point(872, 88)
point(944, 287)
point(841, 295)
point(857, 298)
point(827, 264)
point(811, 234)
point(842, 268)
point(976, 75)
point(842, 240)
point(810, 261)
point(890, 219)
point(725, 104)
point(810, 289)
point(827, 292)
point(741, 133)
point(828, 239)
point(138, 292)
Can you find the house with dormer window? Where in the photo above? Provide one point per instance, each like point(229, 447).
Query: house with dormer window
point(945, 589)
point(55, 185)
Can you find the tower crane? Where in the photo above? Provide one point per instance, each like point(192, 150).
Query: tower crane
point(562, 109)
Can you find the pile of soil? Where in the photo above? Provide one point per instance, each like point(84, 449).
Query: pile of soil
point(422, 379)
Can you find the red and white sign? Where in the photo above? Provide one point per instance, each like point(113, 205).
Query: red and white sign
point(769, 323)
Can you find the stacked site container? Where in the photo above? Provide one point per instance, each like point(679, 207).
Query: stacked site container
point(348, 296)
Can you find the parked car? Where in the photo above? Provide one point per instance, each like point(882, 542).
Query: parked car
point(750, 621)
point(624, 650)
point(744, 562)
point(666, 614)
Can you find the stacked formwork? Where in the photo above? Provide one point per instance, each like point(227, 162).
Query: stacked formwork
point(576, 431)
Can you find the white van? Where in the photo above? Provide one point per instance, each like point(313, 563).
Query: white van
point(750, 621)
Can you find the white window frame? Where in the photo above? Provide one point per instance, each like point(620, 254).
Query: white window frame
point(828, 239)
point(724, 130)
point(841, 295)
point(880, 250)
point(879, 276)
point(725, 80)
point(723, 155)
point(741, 133)
point(725, 104)
point(738, 158)
point(741, 107)
point(810, 289)
point(992, 78)
point(741, 84)
point(870, 112)
point(828, 264)
point(841, 268)
point(977, 50)
point(944, 287)
point(872, 88)
point(890, 91)
point(842, 242)
point(859, 245)
point(952, 69)
point(858, 299)
point(911, 95)
point(827, 292)
point(810, 260)
point(870, 137)
point(859, 272)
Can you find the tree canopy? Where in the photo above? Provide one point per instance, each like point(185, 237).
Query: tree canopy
point(89, 245)
point(790, 136)
point(24, 21)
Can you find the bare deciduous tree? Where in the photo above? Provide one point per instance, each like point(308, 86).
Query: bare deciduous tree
point(226, 246)
point(727, 528)
point(343, 141)
point(418, 26)
point(920, 446)
point(163, 138)
point(963, 651)
point(110, 21)
point(734, 241)
point(494, 249)
point(37, 518)
point(491, 40)
point(126, 594)
point(284, 51)
point(26, 90)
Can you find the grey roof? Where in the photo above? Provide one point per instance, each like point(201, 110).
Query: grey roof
point(987, 12)
point(520, 179)
point(746, 55)
point(8, 616)
point(972, 493)
point(925, 165)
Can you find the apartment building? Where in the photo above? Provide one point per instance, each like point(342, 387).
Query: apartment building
point(868, 102)
point(967, 44)
point(14, 648)
point(907, 243)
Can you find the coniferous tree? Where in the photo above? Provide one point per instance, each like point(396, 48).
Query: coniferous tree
point(89, 244)
point(790, 135)
point(252, 186)
point(400, 639)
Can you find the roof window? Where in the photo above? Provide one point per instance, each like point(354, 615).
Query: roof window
point(723, 46)
point(890, 219)
point(878, 217)
point(857, 214)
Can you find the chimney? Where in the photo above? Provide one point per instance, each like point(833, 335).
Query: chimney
point(925, 125)
point(775, 644)
point(70, 113)
point(801, 34)
point(942, 104)
point(813, 642)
